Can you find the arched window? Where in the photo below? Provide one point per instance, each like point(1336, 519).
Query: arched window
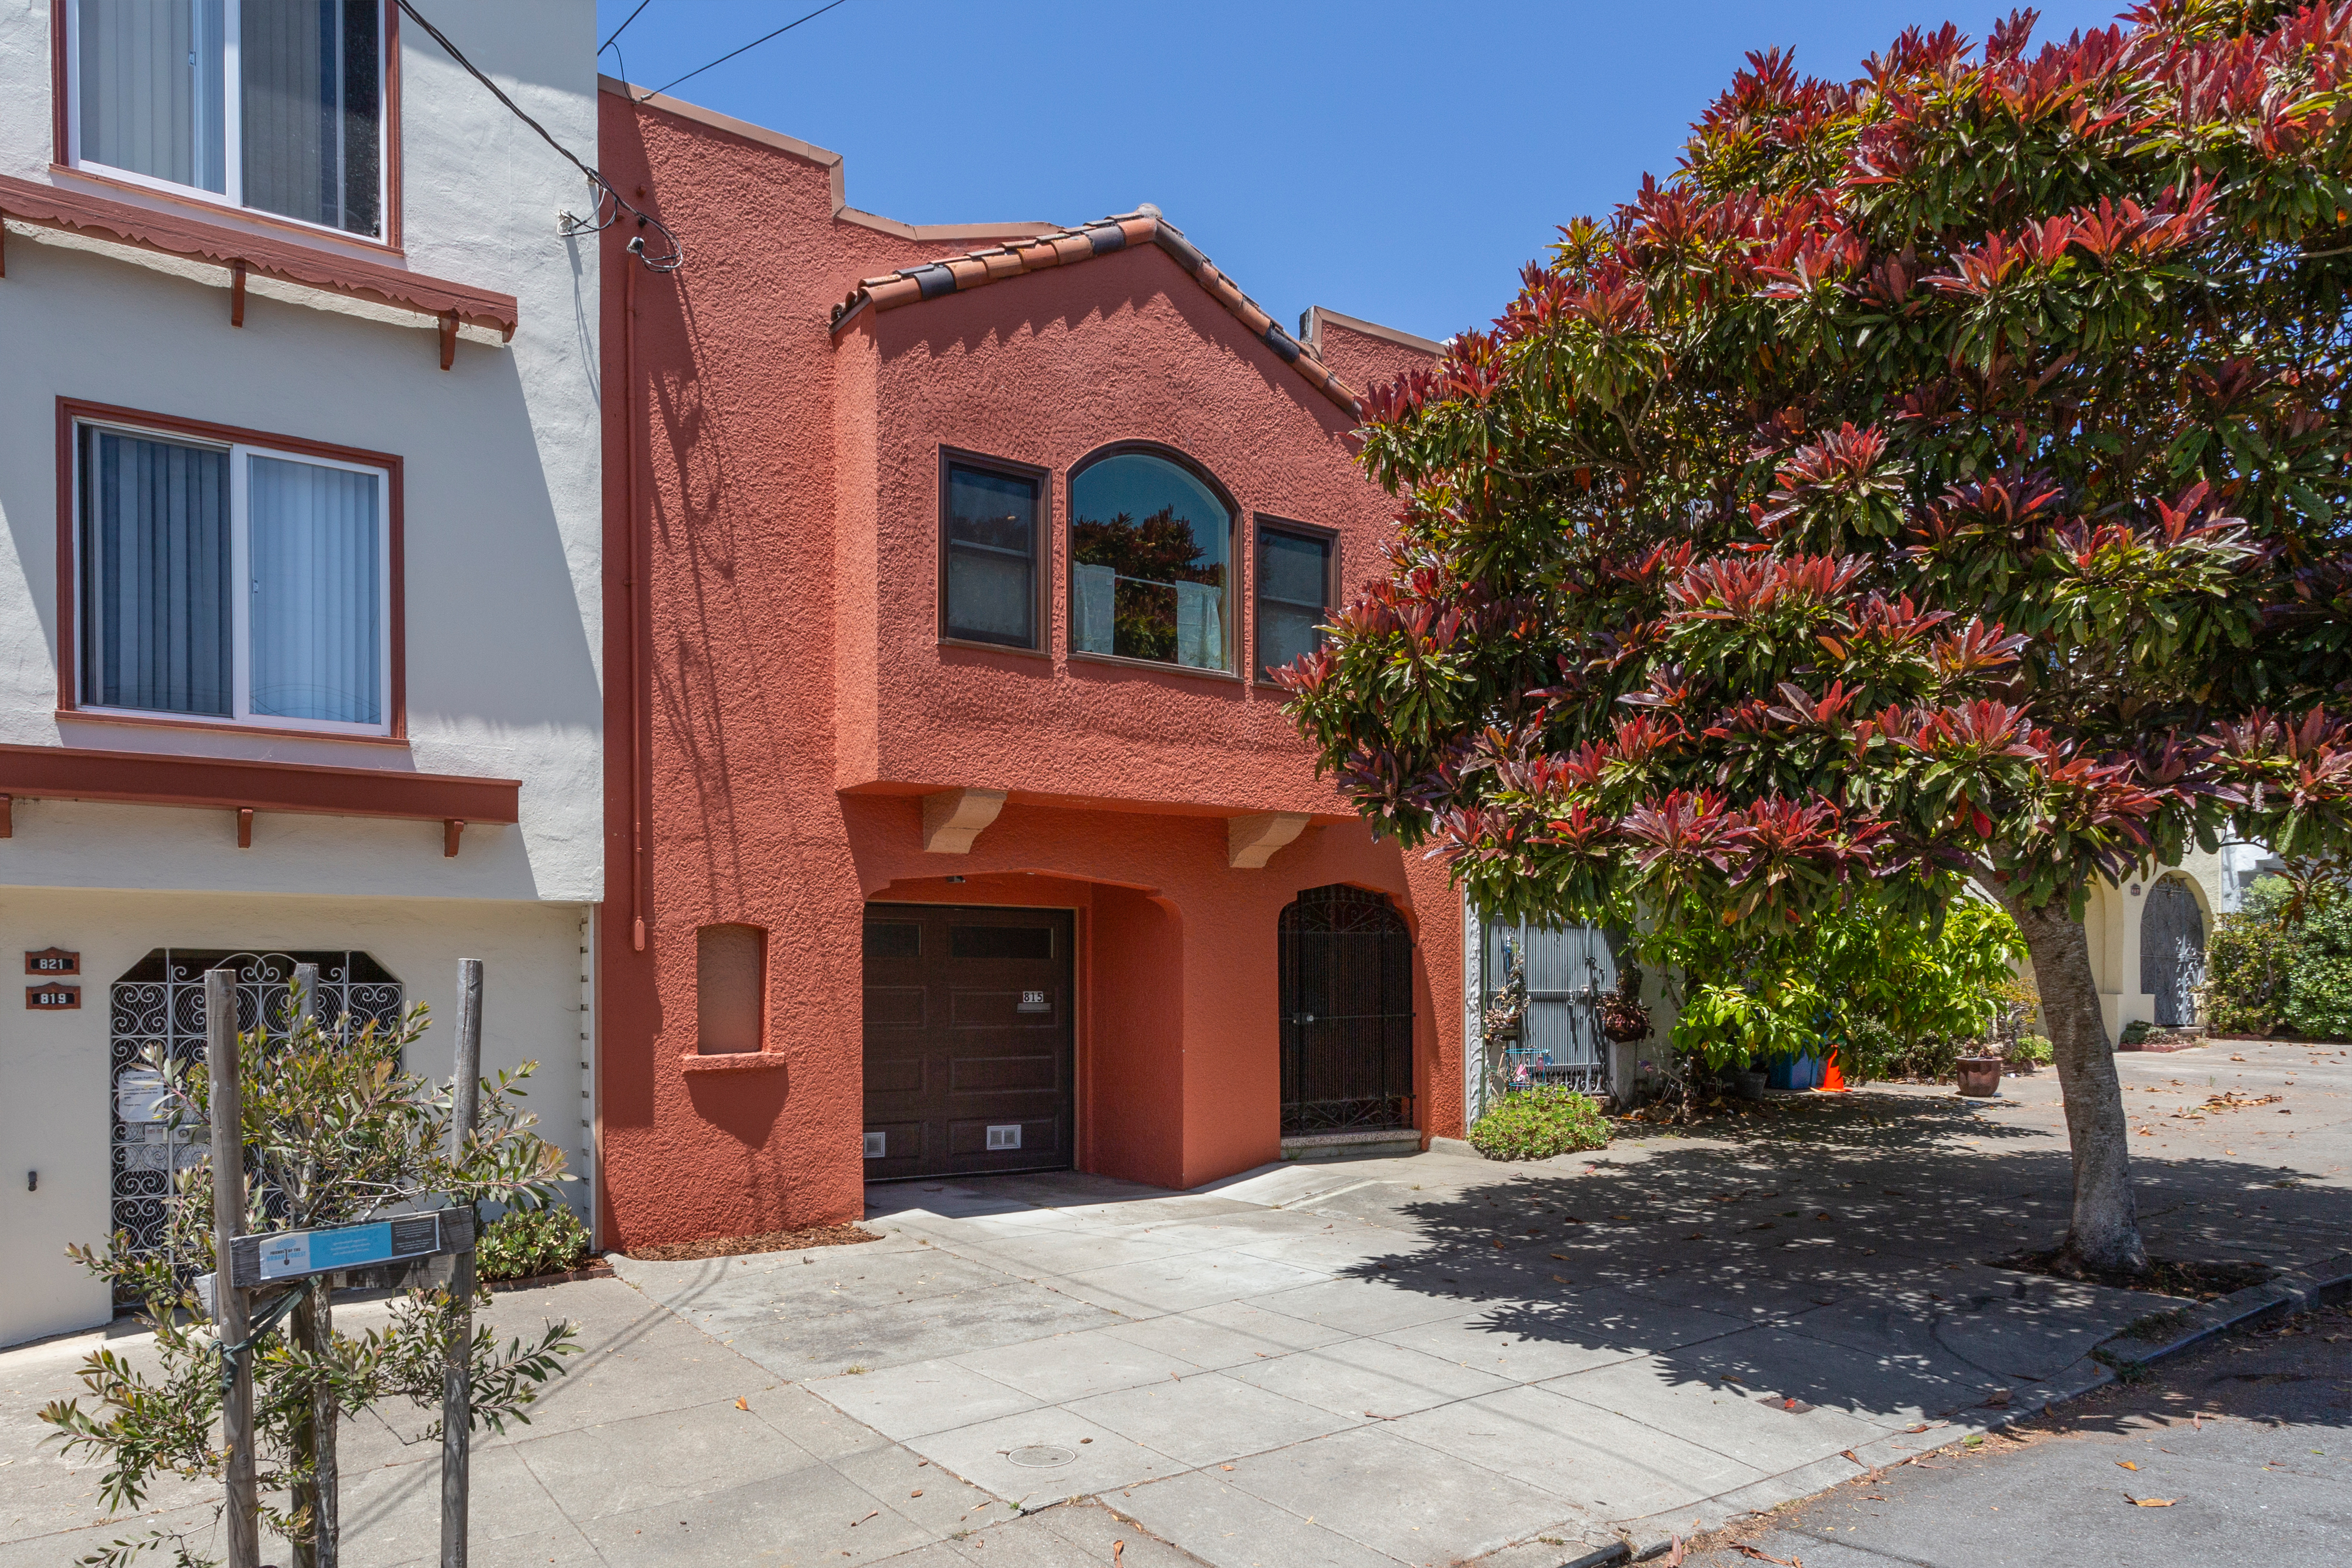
point(1151, 551)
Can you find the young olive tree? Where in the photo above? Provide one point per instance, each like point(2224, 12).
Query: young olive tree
point(1942, 473)
point(335, 1132)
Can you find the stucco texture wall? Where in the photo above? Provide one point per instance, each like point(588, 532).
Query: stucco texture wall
point(796, 701)
point(55, 1113)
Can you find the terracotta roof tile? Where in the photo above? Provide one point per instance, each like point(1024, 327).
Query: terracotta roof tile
point(973, 269)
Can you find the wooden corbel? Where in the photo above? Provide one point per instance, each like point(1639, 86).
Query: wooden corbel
point(236, 293)
point(953, 819)
point(1251, 841)
point(245, 827)
point(449, 339)
point(8, 816)
point(452, 829)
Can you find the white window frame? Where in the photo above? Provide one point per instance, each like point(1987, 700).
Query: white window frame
point(232, 197)
point(240, 560)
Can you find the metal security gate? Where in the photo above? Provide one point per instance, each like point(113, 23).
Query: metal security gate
point(1347, 1013)
point(158, 1006)
point(1554, 978)
point(2172, 951)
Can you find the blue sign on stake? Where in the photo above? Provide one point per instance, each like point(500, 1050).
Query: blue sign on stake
point(275, 1256)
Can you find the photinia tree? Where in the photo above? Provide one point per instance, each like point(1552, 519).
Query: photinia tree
point(1941, 475)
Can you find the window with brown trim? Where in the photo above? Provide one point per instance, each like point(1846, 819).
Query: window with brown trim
point(989, 539)
point(225, 580)
point(730, 989)
point(1297, 572)
point(1151, 549)
point(275, 106)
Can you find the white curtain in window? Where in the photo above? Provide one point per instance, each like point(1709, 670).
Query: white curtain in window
point(1199, 626)
point(318, 591)
point(1093, 609)
point(150, 87)
point(155, 574)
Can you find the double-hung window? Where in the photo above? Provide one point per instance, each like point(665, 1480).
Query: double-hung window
point(275, 105)
point(232, 583)
point(1296, 567)
point(989, 577)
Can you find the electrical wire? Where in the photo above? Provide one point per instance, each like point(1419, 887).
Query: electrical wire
point(606, 196)
point(624, 26)
point(732, 53)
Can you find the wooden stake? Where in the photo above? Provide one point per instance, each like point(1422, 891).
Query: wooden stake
point(314, 1331)
point(456, 1393)
point(228, 1222)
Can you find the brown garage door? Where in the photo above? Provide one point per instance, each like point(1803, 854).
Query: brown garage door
point(968, 1040)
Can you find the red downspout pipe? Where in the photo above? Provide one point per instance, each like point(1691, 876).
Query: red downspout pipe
point(635, 588)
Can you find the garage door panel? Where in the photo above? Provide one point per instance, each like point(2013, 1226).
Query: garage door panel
point(968, 1040)
point(971, 1009)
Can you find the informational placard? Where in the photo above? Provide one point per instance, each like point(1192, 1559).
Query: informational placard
point(52, 998)
point(53, 961)
point(139, 1096)
point(276, 1256)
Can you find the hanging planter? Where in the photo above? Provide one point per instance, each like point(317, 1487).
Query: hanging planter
point(1622, 1016)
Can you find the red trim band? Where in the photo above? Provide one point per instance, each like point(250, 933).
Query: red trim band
point(148, 778)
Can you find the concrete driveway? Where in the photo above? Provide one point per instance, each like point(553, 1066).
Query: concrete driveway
point(1436, 1359)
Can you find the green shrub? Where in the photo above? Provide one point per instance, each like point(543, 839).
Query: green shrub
point(2319, 985)
point(2250, 961)
point(523, 1242)
point(2136, 1032)
point(1872, 1052)
point(1537, 1123)
point(2033, 1051)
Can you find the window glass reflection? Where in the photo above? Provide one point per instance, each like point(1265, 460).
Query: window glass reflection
point(1150, 563)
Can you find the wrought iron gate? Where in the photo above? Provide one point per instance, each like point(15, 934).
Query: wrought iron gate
point(1559, 973)
point(158, 1006)
point(2172, 951)
point(1347, 1013)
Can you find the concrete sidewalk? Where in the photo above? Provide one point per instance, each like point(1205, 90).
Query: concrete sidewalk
point(1415, 1361)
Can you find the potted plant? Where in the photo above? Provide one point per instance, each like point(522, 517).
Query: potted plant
point(1622, 1016)
point(1980, 1075)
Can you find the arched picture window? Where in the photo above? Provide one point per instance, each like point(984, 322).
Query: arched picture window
point(1151, 550)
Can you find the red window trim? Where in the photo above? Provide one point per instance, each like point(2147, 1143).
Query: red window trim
point(61, 142)
point(1041, 594)
point(71, 410)
point(1263, 522)
point(151, 778)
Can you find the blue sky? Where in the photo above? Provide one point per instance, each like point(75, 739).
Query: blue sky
point(1397, 161)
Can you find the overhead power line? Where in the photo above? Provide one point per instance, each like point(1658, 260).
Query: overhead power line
point(610, 202)
point(732, 53)
point(624, 26)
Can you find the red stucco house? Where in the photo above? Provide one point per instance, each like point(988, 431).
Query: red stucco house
point(953, 822)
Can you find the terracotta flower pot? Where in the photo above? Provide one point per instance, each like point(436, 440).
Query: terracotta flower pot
point(1980, 1077)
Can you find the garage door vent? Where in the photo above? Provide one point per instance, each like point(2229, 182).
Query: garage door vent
point(1004, 1137)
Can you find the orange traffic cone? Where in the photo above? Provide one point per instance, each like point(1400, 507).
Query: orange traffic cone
point(1832, 1081)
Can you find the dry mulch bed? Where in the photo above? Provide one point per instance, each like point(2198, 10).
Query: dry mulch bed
point(744, 1246)
point(2165, 1275)
point(595, 1268)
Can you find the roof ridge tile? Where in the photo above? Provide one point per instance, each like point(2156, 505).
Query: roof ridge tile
point(969, 270)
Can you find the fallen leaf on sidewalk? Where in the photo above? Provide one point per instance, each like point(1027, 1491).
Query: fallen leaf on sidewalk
point(2127, 1464)
point(855, 1522)
point(1998, 1399)
point(1747, 1551)
point(1675, 1553)
point(917, 1492)
point(2147, 1502)
point(1797, 1405)
point(1117, 1550)
point(741, 1404)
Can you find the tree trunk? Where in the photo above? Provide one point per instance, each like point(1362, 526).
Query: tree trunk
point(2106, 1230)
point(314, 1332)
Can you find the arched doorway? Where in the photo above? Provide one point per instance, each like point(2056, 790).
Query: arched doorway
point(2172, 951)
point(157, 1007)
point(1347, 1013)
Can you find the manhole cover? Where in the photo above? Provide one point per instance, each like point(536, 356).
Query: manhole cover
point(1043, 1455)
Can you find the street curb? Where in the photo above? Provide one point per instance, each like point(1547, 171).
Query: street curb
point(2293, 1291)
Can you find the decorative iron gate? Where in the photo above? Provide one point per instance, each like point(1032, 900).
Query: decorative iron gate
point(1347, 1013)
point(158, 1006)
point(1558, 975)
point(2172, 951)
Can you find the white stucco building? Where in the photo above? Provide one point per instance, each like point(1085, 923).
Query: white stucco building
point(2147, 935)
point(301, 486)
